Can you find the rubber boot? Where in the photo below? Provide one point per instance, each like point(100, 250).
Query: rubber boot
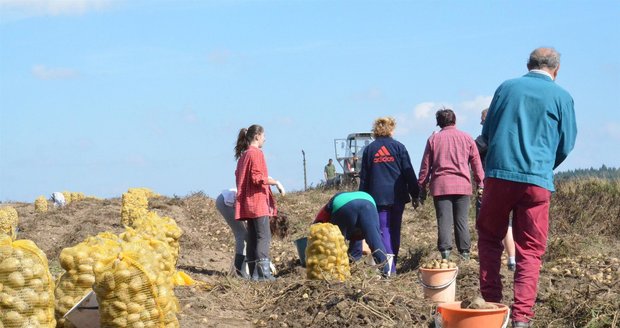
point(445, 254)
point(465, 255)
point(252, 270)
point(239, 258)
point(263, 271)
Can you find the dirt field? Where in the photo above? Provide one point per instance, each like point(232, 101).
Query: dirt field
point(578, 286)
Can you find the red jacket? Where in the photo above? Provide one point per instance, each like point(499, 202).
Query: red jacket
point(254, 198)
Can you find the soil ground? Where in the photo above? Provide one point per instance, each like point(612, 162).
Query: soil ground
point(578, 286)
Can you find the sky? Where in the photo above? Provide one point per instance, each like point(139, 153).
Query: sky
point(100, 96)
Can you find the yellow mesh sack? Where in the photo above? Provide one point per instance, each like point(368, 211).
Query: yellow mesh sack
point(78, 261)
point(145, 191)
point(8, 221)
point(161, 257)
point(40, 204)
point(162, 228)
point(326, 254)
point(134, 205)
point(126, 293)
point(155, 257)
point(68, 197)
point(26, 286)
point(144, 257)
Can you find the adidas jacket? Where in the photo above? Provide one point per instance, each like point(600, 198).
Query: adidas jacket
point(387, 173)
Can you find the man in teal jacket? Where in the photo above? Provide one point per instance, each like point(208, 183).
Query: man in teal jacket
point(530, 129)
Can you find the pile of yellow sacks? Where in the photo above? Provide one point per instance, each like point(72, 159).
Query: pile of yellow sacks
point(26, 286)
point(326, 254)
point(133, 274)
point(71, 197)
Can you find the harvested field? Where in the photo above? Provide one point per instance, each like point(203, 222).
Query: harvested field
point(579, 285)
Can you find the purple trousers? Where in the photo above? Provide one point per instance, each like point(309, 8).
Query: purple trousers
point(390, 222)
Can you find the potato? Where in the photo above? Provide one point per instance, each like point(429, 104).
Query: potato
point(86, 279)
point(66, 260)
point(44, 299)
point(6, 300)
point(9, 264)
point(16, 279)
point(120, 305)
point(12, 318)
point(120, 322)
point(134, 317)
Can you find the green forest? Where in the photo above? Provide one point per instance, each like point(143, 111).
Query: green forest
point(603, 172)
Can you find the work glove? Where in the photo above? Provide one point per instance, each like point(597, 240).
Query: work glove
point(281, 188)
point(416, 203)
point(480, 192)
point(422, 196)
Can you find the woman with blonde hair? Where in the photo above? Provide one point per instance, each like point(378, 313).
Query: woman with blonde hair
point(388, 176)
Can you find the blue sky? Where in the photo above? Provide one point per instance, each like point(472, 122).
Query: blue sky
point(100, 96)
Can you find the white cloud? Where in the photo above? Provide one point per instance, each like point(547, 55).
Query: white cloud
point(423, 110)
point(477, 104)
point(42, 72)
point(422, 117)
point(28, 8)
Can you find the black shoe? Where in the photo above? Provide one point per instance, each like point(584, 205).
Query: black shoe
point(239, 258)
point(263, 271)
point(251, 269)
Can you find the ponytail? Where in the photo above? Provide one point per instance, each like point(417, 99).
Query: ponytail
point(245, 137)
point(242, 143)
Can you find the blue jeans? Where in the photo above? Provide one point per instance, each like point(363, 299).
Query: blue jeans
point(360, 215)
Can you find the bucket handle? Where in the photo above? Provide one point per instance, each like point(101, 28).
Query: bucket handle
point(456, 272)
point(507, 319)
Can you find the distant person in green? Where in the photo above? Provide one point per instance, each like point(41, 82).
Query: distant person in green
point(330, 172)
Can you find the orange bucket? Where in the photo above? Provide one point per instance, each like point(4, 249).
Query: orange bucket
point(450, 315)
point(439, 284)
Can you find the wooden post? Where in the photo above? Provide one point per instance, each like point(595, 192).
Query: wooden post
point(305, 179)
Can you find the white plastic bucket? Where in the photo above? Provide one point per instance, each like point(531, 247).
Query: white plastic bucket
point(439, 284)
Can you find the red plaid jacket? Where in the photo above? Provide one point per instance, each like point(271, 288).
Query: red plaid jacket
point(254, 198)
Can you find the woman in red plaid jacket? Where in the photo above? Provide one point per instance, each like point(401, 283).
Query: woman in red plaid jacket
point(255, 202)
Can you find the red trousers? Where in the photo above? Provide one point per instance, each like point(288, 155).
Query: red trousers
point(530, 226)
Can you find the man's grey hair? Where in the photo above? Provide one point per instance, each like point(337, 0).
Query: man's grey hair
point(544, 57)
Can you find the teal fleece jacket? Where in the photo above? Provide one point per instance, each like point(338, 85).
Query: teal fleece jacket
point(530, 129)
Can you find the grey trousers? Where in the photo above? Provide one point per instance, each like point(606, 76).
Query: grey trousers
point(238, 227)
point(452, 210)
point(259, 239)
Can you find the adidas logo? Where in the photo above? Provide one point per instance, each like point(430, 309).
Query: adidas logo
point(383, 156)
